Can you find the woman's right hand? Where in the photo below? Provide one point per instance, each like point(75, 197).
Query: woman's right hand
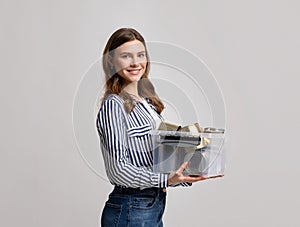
point(178, 177)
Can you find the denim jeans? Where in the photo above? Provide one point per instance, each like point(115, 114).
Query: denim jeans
point(127, 207)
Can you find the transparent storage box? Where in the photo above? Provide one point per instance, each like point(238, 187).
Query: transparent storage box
point(203, 151)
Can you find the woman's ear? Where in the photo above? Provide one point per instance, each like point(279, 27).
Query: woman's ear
point(110, 61)
point(110, 64)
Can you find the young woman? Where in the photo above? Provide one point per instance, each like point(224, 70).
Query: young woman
point(130, 110)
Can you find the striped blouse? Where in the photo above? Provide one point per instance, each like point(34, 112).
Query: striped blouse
point(126, 146)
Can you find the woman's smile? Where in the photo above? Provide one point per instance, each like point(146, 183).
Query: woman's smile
point(134, 71)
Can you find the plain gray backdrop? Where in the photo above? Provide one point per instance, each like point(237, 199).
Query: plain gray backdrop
point(252, 48)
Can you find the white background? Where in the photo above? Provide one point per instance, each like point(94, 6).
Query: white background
point(252, 47)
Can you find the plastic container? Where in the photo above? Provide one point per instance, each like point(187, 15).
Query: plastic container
point(203, 151)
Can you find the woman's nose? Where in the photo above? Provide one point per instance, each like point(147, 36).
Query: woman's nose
point(134, 61)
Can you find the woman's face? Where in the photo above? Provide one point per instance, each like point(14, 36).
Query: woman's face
point(130, 60)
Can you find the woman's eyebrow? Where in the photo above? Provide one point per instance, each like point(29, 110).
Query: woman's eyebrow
point(125, 52)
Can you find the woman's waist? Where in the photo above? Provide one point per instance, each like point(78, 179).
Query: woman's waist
point(131, 191)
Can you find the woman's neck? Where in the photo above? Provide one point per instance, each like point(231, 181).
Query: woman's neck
point(132, 89)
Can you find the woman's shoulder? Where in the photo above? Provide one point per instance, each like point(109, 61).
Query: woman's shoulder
point(111, 110)
point(112, 100)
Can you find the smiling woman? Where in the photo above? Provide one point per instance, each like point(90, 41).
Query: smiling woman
point(126, 65)
point(130, 109)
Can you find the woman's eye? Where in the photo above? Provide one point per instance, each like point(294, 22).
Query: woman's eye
point(142, 55)
point(125, 56)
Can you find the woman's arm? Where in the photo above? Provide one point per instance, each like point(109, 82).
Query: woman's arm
point(120, 171)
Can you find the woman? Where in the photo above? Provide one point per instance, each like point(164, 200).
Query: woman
point(130, 110)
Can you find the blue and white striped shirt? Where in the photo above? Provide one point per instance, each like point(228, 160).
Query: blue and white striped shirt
point(126, 146)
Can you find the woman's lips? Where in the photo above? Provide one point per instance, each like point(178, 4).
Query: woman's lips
point(134, 71)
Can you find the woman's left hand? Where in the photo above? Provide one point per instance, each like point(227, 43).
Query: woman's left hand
point(178, 177)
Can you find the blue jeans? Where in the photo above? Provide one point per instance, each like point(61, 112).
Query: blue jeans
point(129, 207)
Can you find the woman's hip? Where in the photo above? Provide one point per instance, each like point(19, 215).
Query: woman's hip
point(134, 207)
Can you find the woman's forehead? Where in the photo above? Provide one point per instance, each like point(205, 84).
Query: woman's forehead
point(133, 46)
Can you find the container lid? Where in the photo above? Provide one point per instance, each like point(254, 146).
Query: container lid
point(186, 134)
point(213, 130)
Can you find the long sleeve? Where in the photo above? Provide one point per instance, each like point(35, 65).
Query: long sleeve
point(111, 125)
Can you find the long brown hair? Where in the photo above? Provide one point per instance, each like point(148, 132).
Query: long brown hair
point(115, 83)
